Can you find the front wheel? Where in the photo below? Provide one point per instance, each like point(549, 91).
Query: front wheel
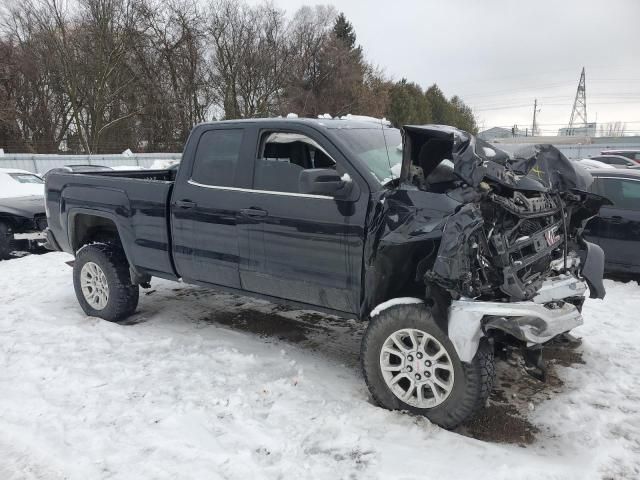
point(409, 363)
point(102, 282)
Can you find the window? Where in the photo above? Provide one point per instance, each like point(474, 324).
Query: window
point(610, 160)
point(216, 157)
point(380, 149)
point(26, 178)
point(282, 156)
point(623, 193)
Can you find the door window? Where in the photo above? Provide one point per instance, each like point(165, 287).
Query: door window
point(217, 156)
point(282, 156)
point(623, 193)
point(26, 178)
point(612, 160)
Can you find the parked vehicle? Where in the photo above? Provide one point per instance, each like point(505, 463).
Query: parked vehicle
point(591, 164)
point(631, 154)
point(22, 214)
point(617, 161)
point(19, 183)
point(617, 227)
point(437, 238)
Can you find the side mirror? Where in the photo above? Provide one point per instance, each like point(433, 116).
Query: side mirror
point(325, 181)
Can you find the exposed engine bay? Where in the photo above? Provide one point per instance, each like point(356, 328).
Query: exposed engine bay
point(504, 244)
point(519, 220)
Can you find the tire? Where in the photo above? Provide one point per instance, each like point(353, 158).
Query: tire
point(112, 269)
point(6, 242)
point(469, 384)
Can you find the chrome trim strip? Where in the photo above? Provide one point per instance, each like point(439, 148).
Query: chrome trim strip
point(619, 178)
point(249, 190)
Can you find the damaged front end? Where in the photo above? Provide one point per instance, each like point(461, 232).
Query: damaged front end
point(509, 255)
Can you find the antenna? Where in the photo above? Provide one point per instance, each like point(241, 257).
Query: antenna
point(579, 111)
point(386, 147)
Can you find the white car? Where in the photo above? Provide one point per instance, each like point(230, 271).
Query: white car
point(20, 183)
point(591, 164)
point(22, 215)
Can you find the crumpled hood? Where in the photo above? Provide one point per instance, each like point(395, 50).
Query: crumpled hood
point(26, 207)
point(539, 167)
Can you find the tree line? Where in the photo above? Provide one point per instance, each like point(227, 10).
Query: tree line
point(100, 76)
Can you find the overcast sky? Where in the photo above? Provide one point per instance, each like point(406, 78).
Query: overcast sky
point(500, 55)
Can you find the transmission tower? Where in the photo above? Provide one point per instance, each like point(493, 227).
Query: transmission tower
point(579, 111)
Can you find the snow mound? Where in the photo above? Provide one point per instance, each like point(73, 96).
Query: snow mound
point(163, 164)
point(365, 118)
point(183, 390)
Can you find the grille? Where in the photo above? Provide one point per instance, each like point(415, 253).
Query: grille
point(529, 227)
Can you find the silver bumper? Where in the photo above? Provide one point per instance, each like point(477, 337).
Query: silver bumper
point(534, 322)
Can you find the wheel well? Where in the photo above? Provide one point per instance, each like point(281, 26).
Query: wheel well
point(10, 220)
point(92, 228)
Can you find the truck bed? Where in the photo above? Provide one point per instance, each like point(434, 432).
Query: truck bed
point(136, 201)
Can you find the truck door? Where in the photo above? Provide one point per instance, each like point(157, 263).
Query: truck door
point(619, 224)
point(205, 204)
point(309, 247)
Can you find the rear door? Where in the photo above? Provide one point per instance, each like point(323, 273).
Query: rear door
point(206, 201)
point(618, 225)
point(303, 247)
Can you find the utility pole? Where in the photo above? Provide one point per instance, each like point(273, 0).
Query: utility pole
point(534, 126)
point(579, 111)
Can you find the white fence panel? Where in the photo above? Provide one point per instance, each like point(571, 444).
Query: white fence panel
point(42, 163)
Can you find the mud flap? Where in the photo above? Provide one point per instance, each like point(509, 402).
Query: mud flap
point(534, 364)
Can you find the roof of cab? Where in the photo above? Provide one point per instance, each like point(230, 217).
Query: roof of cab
point(329, 123)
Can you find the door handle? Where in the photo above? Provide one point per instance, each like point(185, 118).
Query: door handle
point(253, 212)
point(185, 204)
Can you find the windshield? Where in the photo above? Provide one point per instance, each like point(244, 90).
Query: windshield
point(380, 150)
point(26, 178)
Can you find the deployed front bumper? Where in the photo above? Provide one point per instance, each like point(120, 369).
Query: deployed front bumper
point(533, 322)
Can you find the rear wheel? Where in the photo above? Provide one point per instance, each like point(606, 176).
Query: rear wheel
point(102, 282)
point(6, 241)
point(409, 363)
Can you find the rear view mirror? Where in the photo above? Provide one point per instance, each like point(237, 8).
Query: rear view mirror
point(325, 181)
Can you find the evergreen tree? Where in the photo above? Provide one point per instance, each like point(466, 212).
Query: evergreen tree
point(407, 104)
point(441, 110)
point(343, 29)
point(463, 116)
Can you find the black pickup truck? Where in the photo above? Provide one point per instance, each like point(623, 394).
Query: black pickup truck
point(445, 244)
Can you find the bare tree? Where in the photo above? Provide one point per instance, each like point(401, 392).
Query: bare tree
point(105, 75)
point(173, 72)
point(35, 107)
point(613, 129)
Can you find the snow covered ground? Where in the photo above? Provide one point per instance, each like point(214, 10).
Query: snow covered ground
point(201, 385)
